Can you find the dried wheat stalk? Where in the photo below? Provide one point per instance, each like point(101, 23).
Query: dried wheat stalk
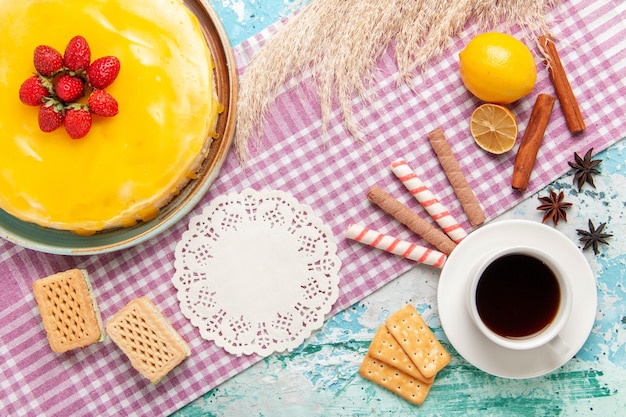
point(338, 43)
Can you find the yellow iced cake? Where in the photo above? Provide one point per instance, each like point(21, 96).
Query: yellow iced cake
point(130, 165)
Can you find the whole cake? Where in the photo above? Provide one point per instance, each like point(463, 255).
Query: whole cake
point(126, 167)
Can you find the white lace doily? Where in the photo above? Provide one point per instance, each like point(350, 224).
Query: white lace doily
point(256, 272)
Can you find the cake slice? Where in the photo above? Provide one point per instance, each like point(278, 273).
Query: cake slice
point(147, 338)
point(68, 310)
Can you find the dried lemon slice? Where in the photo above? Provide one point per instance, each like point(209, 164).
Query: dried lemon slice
point(494, 128)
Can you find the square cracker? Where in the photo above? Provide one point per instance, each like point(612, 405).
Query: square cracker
point(385, 348)
point(394, 380)
point(418, 341)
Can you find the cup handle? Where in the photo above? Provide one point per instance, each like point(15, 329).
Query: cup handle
point(558, 345)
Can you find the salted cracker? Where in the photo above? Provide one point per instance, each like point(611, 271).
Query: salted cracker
point(418, 341)
point(385, 348)
point(393, 379)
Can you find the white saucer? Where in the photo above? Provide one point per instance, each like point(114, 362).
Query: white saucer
point(465, 336)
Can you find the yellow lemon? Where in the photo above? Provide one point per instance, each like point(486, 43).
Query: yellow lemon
point(497, 68)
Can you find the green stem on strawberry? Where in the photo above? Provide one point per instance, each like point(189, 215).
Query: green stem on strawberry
point(61, 82)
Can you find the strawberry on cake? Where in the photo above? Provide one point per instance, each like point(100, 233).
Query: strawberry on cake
point(108, 109)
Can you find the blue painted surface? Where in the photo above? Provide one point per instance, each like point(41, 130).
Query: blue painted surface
point(320, 378)
point(245, 18)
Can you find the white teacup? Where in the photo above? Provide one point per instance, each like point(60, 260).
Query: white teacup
point(520, 299)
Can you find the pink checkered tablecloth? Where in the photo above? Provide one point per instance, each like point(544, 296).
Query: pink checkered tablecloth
point(332, 177)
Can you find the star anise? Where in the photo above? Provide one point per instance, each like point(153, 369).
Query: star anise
point(554, 207)
point(585, 169)
point(593, 237)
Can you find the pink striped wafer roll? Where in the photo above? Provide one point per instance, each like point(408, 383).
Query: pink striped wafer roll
point(396, 246)
point(428, 200)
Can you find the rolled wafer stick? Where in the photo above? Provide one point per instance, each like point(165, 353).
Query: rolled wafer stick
point(427, 199)
point(412, 220)
point(396, 246)
point(458, 181)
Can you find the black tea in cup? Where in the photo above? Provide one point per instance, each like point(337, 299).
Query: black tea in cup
point(517, 296)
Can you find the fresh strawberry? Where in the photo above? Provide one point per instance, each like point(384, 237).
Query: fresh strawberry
point(102, 103)
point(70, 88)
point(50, 116)
point(32, 91)
point(77, 121)
point(77, 54)
point(103, 71)
point(47, 60)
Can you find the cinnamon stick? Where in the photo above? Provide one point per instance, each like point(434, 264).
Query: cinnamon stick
point(569, 105)
point(458, 181)
point(410, 219)
point(531, 141)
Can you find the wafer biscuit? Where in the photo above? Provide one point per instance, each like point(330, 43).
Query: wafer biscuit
point(418, 341)
point(147, 338)
point(427, 199)
point(457, 179)
point(394, 380)
point(385, 348)
point(68, 310)
point(410, 219)
point(396, 246)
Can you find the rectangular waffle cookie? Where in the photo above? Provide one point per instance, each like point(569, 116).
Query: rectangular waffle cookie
point(68, 310)
point(147, 338)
